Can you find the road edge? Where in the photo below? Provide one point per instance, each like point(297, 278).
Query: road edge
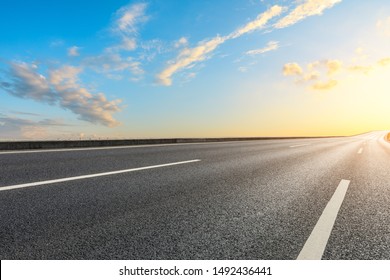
point(64, 144)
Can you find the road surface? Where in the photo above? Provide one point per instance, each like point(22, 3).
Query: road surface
point(325, 198)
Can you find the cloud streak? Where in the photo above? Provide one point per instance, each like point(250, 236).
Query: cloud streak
point(112, 61)
point(306, 9)
point(14, 127)
point(271, 46)
point(128, 17)
point(189, 56)
point(258, 23)
point(109, 63)
point(61, 89)
point(324, 85)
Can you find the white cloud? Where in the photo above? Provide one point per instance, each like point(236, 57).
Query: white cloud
point(128, 44)
point(67, 72)
point(73, 51)
point(314, 72)
point(330, 71)
point(291, 69)
point(258, 23)
point(17, 128)
point(333, 66)
point(306, 9)
point(360, 68)
point(109, 63)
point(324, 85)
point(189, 56)
point(273, 45)
point(23, 81)
point(183, 41)
point(312, 76)
point(128, 17)
point(61, 89)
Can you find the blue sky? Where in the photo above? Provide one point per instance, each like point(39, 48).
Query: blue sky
point(150, 69)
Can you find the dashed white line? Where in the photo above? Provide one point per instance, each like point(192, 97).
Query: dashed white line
point(6, 188)
point(360, 151)
point(315, 245)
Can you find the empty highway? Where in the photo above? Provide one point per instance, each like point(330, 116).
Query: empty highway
point(316, 198)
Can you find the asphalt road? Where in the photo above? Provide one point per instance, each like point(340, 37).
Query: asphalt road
point(235, 200)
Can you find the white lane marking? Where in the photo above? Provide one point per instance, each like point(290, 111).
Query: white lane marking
point(315, 245)
point(360, 151)
point(300, 145)
point(92, 175)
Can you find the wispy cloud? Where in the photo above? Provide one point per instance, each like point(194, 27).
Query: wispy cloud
point(189, 56)
point(73, 51)
point(13, 127)
point(291, 69)
point(110, 63)
point(14, 121)
point(333, 66)
point(324, 85)
point(113, 61)
point(326, 70)
point(183, 41)
point(271, 46)
point(25, 113)
point(128, 17)
point(258, 23)
point(312, 74)
point(365, 69)
point(61, 89)
point(304, 10)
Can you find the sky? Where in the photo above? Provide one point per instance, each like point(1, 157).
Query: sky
point(213, 68)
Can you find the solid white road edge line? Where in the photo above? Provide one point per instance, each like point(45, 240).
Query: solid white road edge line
point(6, 188)
point(315, 245)
point(360, 151)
